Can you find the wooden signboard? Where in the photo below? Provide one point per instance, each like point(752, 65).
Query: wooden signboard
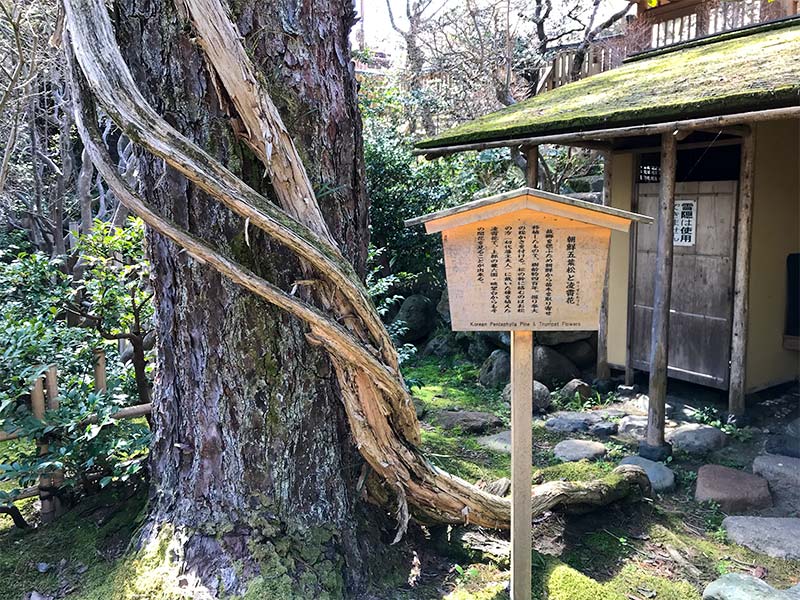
point(525, 261)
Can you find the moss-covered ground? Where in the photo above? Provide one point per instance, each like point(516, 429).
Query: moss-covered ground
point(668, 549)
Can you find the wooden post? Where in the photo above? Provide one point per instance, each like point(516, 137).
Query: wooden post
point(521, 462)
point(629, 324)
point(52, 387)
point(50, 503)
point(37, 409)
point(532, 170)
point(603, 371)
point(100, 371)
point(741, 283)
point(37, 398)
point(655, 448)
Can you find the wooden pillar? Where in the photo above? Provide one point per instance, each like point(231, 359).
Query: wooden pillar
point(521, 462)
point(655, 446)
point(603, 371)
point(532, 170)
point(100, 371)
point(741, 282)
point(631, 315)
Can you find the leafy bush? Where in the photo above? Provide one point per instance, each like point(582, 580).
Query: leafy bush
point(35, 299)
point(402, 186)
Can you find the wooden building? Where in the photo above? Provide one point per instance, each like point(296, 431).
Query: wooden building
point(705, 137)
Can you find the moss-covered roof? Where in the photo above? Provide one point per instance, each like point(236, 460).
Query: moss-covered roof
point(755, 70)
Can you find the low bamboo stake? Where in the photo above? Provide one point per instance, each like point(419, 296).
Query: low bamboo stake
point(100, 384)
point(51, 506)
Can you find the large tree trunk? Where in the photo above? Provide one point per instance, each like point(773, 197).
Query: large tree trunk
point(251, 446)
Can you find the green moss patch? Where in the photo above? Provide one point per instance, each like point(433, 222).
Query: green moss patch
point(750, 72)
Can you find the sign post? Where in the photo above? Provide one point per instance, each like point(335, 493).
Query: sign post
point(525, 261)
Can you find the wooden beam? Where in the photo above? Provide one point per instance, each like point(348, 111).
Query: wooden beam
point(521, 462)
point(741, 282)
point(715, 123)
point(659, 341)
point(532, 168)
point(603, 371)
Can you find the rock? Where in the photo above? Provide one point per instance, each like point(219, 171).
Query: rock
point(633, 427)
point(496, 370)
point(417, 317)
point(581, 353)
point(467, 420)
point(479, 349)
point(576, 386)
point(604, 386)
point(554, 338)
point(661, 477)
point(499, 442)
point(541, 396)
point(784, 445)
point(37, 596)
point(783, 475)
point(551, 368)
point(696, 439)
point(609, 413)
point(571, 422)
point(419, 407)
point(793, 428)
point(627, 390)
point(733, 490)
point(603, 429)
point(443, 306)
point(440, 346)
point(42, 567)
point(774, 536)
point(575, 450)
point(655, 452)
point(499, 339)
point(736, 586)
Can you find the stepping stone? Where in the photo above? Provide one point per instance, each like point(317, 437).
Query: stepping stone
point(633, 427)
point(733, 490)
point(661, 477)
point(778, 537)
point(610, 413)
point(603, 429)
point(736, 586)
point(783, 475)
point(469, 421)
point(575, 450)
point(570, 422)
point(784, 445)
point(499, 442)
point(696, 439)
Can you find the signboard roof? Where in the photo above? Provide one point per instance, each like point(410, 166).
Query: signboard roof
point(529, 199)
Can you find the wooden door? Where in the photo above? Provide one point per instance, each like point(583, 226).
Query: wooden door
point(702, 281)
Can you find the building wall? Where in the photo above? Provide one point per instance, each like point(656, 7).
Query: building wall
point(776, 234)
point(621, 195)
